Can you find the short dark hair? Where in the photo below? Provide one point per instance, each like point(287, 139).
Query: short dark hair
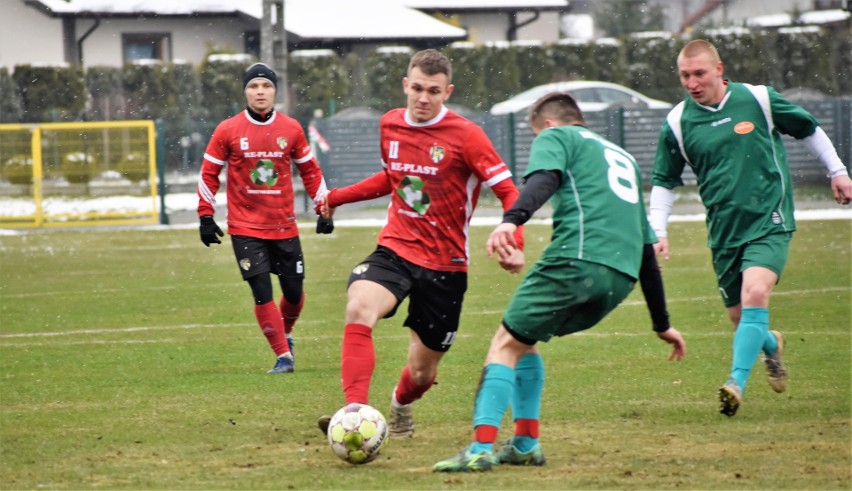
point(560, 106)
point(432, 62)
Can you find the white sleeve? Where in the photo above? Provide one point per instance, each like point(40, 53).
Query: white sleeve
point(820, 145)
point(660, 207)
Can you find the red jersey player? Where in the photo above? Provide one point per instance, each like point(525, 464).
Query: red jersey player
point(434, 163)
point(259, 147)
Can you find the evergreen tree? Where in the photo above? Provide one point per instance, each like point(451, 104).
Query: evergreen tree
point(385, 69)
point(10, 103)
point(618, 18)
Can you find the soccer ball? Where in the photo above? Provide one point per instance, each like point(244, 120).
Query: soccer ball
point(357, 433)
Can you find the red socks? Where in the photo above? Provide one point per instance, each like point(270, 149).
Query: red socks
point(526, 427)
point(485, 434)
point(357, 362)
point(407, 391)
point(270, 322)
point(290, 312)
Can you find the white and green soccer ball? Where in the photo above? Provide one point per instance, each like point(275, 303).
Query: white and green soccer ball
point(357, 433)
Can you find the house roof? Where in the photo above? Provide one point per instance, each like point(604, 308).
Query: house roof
point(307, 19)
point(487, 5)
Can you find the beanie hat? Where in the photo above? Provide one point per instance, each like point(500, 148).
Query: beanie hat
point(259, 70)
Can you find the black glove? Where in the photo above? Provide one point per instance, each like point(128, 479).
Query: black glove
point(209, 230)
point(325, 225)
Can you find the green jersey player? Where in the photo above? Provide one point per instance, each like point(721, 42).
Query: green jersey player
point(600, 232)
point(730, 135)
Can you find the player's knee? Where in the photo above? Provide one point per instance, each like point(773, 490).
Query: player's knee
point(423, 375)
point(756, 295)
point(361, 312)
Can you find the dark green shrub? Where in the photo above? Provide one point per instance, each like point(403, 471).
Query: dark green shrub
point(149, 90)
point(318, 80)
point(502, 76)
point(573, 59)
point(744, 53)
point(134, 166)
point(18, 169)
point(10, 102)
point(609, 61)
point(105, 86)
point(535, 63)
point(468, 75)
point(806, 52)
point(78, 167)
point(386, 67)
point(222, 84)
point(50, 93)
point(651, 66)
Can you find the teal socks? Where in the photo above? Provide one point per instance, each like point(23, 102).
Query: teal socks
point(493, 395)
point(526, 401)
point(492, 401)
point(749, 340)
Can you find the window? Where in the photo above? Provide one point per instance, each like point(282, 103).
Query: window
point(146, 46)
point(586, 95)
point(252, 43)
point(613, 96)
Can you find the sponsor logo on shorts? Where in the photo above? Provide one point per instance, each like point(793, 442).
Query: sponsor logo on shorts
point(245, 264)
point(360, 269)
point(776, 218)
point(744, 127)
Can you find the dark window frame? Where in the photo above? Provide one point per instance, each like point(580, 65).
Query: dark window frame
point(162, 42)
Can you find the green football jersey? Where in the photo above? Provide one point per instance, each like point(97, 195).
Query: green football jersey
point(737, 156)
point(598, 210)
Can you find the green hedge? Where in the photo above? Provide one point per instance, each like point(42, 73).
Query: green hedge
point(651, 67)
point(318, 79)
point(184, 96)
point(502, 74)
point(468, 62)
point(385, 69)
point(50, 93)
point(11, 108)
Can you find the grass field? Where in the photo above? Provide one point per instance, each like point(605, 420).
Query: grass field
point(131, 360)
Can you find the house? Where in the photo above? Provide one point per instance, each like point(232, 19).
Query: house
point(688, 15)
point(500, 20)
point(106, 32)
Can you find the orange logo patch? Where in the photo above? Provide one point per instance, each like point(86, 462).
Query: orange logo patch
point(743, 128)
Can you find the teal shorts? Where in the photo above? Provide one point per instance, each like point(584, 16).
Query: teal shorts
point(769, 251)
point(561, 296)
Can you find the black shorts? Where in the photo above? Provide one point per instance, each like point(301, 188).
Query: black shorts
point(258, 256)
point(435, 305)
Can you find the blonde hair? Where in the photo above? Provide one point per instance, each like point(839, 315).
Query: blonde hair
point(697, 47)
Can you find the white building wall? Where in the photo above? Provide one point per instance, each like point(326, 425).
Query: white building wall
point(190, 38)
point(489, 27)
point(546, 28)
point(28, 37)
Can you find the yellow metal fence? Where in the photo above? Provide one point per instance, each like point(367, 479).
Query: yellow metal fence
point(73, 174)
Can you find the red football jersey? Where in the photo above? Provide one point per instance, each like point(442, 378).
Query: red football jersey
point(259, 158)
point(436, 170)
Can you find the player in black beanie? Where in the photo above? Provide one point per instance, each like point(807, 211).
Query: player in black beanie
point(260, 70)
